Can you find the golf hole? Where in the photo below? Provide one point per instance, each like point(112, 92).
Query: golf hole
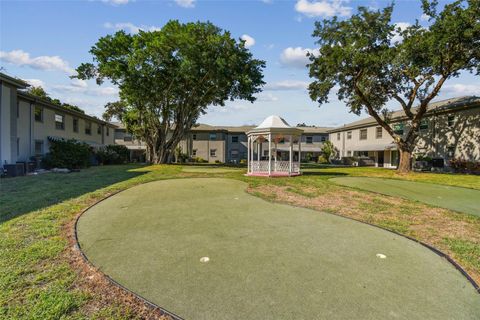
point(381, 256)
point(204, 259)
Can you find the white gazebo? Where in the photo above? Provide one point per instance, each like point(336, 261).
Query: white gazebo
point(278, 138)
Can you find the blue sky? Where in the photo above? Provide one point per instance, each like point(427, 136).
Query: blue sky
point(43, 41)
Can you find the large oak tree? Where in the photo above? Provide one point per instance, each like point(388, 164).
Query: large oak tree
point(168, 78)
point(364, 57)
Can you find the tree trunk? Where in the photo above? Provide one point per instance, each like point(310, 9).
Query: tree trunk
point(405, 164)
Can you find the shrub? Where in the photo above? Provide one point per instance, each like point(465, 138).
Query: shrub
point(70, 154)
point(465, 166)
point(218, 161)
point(199, 160)
point(243, 161)
point(113, 154)
point(322, 160)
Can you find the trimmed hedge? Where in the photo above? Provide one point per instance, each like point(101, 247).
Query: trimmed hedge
point(70, 154)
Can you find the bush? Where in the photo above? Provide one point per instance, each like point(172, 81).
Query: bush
point(243, 161)
point(199, 160)
point(218, 162)
point(322, 160)
point(465, 166)
point(70, 154)
point(113, 154)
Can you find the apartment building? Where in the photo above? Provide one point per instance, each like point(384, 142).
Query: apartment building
point(450, 129)
point(229, 143)
point(27, 122)
point(226, 144)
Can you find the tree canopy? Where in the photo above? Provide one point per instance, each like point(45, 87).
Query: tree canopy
point(168, 78)
point(373, 61)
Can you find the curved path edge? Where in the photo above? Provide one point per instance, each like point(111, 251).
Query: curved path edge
point(177, 317)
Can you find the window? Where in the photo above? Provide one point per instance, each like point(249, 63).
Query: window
point(38, 147)
point(234, 153)
point(213, 136)
point(38, 114)
point(349, 153)
point(108, 131)
point(450, 152)
point(194, 152)
point(213, 152)
point(349, 135)
point(423, 125)
point(59, 122)
point(234, 139)
point(75, 125)
point(323, 138)
point(338, 136)
point(194, 137)
point(451, 120)
point(309, 139)
point(378, 132)
point(363, 134)
point(99, 130)
point(398, 128)
point(88, 128)
point(127, 137)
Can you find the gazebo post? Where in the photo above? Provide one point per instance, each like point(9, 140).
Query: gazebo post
point(299, 152)
point(290, 156)
point(269, 154)
point(248, 155)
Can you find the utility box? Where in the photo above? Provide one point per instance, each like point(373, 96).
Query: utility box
point(14, 170)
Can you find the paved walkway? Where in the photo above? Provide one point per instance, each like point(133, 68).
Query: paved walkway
point(265, 260)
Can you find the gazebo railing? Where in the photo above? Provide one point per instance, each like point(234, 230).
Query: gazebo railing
point(277, 166)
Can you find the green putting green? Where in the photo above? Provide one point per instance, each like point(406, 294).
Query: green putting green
point(266, 260)
point(453, 198)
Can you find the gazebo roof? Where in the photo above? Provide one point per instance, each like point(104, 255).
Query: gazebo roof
point(275, 124)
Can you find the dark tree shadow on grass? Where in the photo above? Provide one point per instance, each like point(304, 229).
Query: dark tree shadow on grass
point(22, 195)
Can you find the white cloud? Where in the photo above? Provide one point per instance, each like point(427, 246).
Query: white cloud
point(249, 41)
point(324, 8)
point(402, 26)
point(186, 3)
point(35, 82)
point(296, 57)
point(22, 58)
point(287, 85)
point(424, 17)
point(116, 2)
point(129, 27)
point(267, 97)
point(460, 89)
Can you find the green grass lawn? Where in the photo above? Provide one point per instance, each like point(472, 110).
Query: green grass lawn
point(267, 260)
point(37, 280)
point(453, 198)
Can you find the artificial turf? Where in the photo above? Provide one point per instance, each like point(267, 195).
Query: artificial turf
point(267, 260)
point(454, 198)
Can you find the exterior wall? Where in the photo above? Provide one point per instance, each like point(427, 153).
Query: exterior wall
point(5, 124)
point(439, 140)
point(202, 144)
point(19, 130)
point(236, 151)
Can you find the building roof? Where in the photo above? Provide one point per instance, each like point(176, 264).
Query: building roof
point(35, 99)
point(399, 115)
point(19, 83)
